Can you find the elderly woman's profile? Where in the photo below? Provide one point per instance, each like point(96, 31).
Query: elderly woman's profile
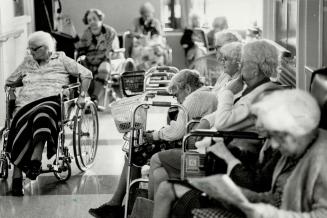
point(42, 74)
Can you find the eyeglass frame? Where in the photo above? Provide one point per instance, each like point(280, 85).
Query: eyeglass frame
point(35, 49)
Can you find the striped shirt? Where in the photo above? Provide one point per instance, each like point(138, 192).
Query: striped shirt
point(45, 80)
point(197, 104)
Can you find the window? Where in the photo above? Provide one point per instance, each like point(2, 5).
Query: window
point(18, 7)
point(240, 14)
point(172, 14)
point(324, 57)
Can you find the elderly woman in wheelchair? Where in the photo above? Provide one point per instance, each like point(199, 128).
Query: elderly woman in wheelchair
point(290, 120)
point(197, 100)
point(96, 45)
point(42, 74)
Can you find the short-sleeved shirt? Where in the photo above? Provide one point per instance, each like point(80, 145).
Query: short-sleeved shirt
point(45, 80)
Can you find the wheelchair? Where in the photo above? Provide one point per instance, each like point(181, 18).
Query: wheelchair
point(81, 123)
point(142, 90)
point(112, 87)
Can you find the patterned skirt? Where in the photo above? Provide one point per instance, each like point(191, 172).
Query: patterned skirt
point(33, 123)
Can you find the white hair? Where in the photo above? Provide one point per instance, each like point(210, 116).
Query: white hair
point(293, 111)
point(232, 50)
point(43, 38)
point(226, 36)
point(263, 53)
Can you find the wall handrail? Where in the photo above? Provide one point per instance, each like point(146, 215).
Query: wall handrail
point(13, 34)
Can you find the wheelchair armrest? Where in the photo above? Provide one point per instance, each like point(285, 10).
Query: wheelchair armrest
point(232, 134)
point(221, 134)
point(118, 50)
point(192, 122)
point(72, 86)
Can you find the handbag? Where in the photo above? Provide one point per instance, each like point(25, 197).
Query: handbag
point(142, 153)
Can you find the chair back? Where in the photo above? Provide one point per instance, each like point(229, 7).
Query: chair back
point(318, 89)
point(200, 37)
point(132, 82)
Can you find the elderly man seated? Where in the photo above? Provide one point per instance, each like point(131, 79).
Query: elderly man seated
point(290, 119)
point(259, 62)
point(197, 100)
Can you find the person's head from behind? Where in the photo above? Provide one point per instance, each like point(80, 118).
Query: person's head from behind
point(195, 20)
point(290, 119)
point(231, 57)
point(223, 37)
point(147, 11)
point(184, 83)
point(220, 23)
point(260, 60)
point(41, 45)
point(94, 19)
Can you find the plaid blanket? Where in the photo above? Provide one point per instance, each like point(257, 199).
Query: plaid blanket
point(34, 122)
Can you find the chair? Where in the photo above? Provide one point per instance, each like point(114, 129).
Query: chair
point(85, 132)
point(318, 89)
point(200, 37)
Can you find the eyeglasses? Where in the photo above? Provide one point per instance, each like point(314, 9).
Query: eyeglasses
point(35, 49)
point(277, 136)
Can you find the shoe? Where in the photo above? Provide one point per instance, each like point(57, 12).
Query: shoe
point(107, 211)
point(35, 169)
point(17, 187)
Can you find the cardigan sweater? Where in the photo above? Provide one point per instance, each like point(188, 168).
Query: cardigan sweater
point(305, 192)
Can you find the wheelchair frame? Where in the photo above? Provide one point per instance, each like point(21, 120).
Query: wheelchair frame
point(193, 162)
point(156, 80)
point(63, 159)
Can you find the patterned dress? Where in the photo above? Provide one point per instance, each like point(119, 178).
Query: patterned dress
point(46, 80)
point(97, 48)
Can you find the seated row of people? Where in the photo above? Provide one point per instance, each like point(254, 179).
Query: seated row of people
point(289, 119)
point(259, 62)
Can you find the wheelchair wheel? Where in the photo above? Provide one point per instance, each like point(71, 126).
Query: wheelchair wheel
point(4, 165)
point(64, 172)
point(85, 136)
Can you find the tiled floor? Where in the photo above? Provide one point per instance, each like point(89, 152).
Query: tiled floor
point(46, 197)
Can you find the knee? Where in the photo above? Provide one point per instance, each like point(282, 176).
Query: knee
point(165, 191)
point(160, 175)
point(155, 161)
point(103, 70)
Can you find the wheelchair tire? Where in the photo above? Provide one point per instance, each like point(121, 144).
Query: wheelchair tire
point(66, 169)
point(85, 136)
point(4, 168)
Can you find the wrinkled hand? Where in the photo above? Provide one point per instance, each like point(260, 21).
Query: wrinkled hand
point(258, 210)
point(236, 85)
point(148, 137)
point(204, 124)
point(221, 151)
point(81, 101)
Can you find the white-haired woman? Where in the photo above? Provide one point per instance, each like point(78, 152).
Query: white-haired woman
point(147, 24)
point(291, 119)
point(42, 75)
point(218, 24)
